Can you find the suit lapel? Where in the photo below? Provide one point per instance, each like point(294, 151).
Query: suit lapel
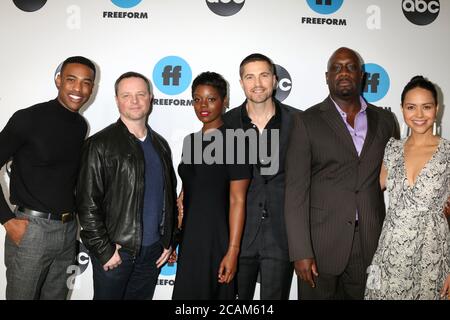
point(372, 125)
point(335, 121)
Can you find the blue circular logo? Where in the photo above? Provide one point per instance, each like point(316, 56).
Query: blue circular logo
point(376, 82)
point(126, 3)
point(169, 269)
point(325, 6)
point(172, 75)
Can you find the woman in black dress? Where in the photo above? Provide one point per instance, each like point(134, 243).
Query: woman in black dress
point(213, 200)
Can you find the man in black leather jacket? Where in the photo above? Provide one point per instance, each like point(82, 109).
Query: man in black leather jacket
point(126, 195)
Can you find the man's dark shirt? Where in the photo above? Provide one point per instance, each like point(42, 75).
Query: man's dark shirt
point(273, 123)
point(44, 142)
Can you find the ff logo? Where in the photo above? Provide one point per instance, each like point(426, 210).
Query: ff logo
point(169, 269)
point(225, 8)
point(172, 75)
point(29, 5)
point(325, 6)
point(126, 3)
point(421, 12)
point(376, 82)
point(284, 83)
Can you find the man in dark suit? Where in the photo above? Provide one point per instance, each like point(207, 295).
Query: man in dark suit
point(264, 247)
point(334, 206)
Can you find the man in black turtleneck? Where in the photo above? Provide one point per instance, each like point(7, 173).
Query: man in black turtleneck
point(44, 142)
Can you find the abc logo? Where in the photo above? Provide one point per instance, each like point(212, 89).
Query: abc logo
point(29, 5)
point(172, 75)
point(377, 82)
point(225, 8)
point(79, 267)
point(325, 6)
point(126, 3)
point(421, 12)
point(284, 83)
point(57, 71)
point(82, 257)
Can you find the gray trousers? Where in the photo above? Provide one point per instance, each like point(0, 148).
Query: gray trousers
point(37, 267)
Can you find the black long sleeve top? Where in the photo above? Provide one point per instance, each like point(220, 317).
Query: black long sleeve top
point(44, 142)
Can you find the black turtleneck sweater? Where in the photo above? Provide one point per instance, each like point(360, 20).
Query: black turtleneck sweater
point(44, 142)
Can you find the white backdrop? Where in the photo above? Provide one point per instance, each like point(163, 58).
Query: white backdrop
point(299, 35)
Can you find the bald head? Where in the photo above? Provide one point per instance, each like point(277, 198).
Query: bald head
point(346, 52)
point(344, 74)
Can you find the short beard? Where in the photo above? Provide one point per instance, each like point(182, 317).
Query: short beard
point(345, 93)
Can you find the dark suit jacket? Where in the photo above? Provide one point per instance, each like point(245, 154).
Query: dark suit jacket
point(327, 182)
point(269, 190)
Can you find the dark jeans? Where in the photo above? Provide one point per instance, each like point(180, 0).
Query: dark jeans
point(134, 279)
point(275, 274)
point(275, 278)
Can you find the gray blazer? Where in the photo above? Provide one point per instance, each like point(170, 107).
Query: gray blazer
point(327, 182)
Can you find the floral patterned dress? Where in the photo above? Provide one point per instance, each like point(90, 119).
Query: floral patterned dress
point(412, 260)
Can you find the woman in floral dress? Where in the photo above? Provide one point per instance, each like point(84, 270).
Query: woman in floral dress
point(412, 260)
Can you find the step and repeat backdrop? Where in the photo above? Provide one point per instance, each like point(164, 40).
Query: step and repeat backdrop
point(172, 41)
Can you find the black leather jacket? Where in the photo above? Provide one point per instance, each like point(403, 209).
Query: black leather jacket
point(110, 192)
